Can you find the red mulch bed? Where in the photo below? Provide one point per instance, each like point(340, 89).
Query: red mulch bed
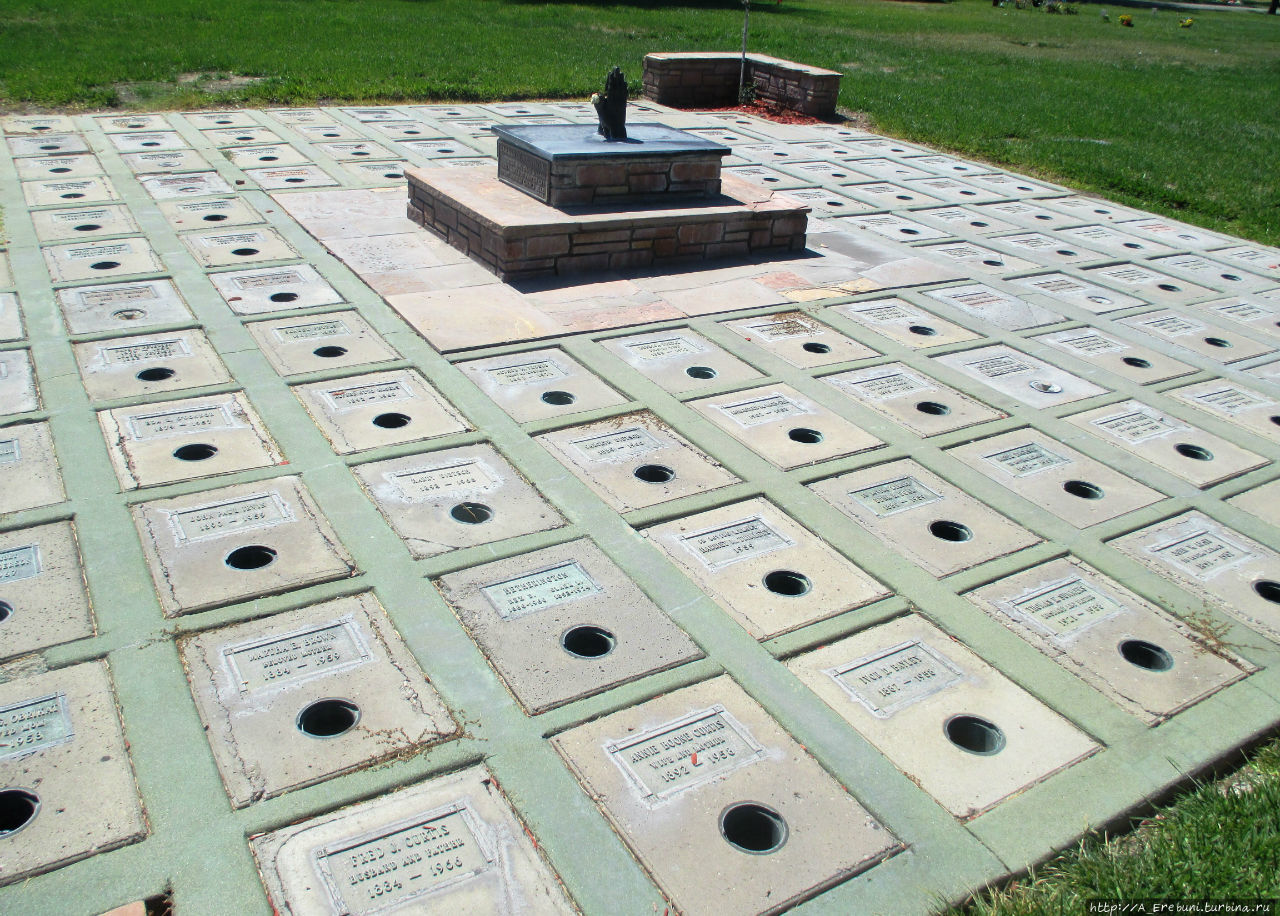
point(772, 113)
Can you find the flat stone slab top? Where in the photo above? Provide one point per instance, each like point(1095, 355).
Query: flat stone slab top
point(519, 237)
point(581, 141)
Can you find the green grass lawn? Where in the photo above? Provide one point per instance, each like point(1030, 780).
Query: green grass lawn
point(1219, 841)
point(1181, 121)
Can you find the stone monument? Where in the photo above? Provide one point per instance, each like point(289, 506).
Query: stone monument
point(572, 197)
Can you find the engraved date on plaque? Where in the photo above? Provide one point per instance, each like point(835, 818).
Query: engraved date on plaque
point(33, 725)
point(897, 678)
point(261, 510)
point(297, 656)
point(684, 753)
point(540, 590)
point(384, 869)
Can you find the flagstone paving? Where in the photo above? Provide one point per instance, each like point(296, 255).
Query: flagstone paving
point(337, 575)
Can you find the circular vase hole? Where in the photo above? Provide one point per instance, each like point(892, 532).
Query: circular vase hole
point(214, 217)
point(1083, 489)
point(128, 314)
point(295, 180)
point(1217, 342)
point(1132, 245)
point(6, 611)
point(814, 347)
point(588, 642)
point(105, 265)
point(788, 583)
point(71, 195)
point(1168, 287)
point(992, 262)
point(950, 531)
point(1145, 655)
point(88, 227)
point(156, 374)
point(1044, 387)
point(18, 807)
point(244, 252)
point(979, 224)
point(909, 231)
point(328, 718)
point(330, 352)
point(923, 330)
point(701, 372)
point(268, 158)
point(933, 408)
point(471, 513)
point(255, 556)
point(1194, 452)
point(1268, 590)
point(283, 297)
point(391, 420)
point(1137, 362)
point(558, 398)
point(804, 435)
point(977, 736)
point(1233, 278)
point(654, 473)
point(196, 451)
point(150, 143)
point(60, 170)
point(753, 828)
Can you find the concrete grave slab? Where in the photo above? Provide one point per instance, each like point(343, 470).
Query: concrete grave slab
point(825, 203)
point(1033, 215)
point(141, 142)
point(785, 427)
point(211, 120)
point(58, 168)
point(680, 360)
point(333, 340)
point(912, 399)
point(178, 160)
point(324, 131)
point(904, 323)
point(1222, 345)
point(1107, 238)
point(223, 248)
point(131, 122)
point(43, 601)
point(1106, 351)
point(379, 409)
point(66, 191)
point(934, 524)
point(1157, 287)
point(28, 468)
point(45, 145)
point(299, 116)
point(1145, 661)
point(298, 176)
point(871, 145)
point(245, 134)
point(563, 623)
point(122, 306)
point(355, 150)
point(1265, 261)
point(764, 176)
point(1081, 491)
point(220, 546)
point(10, 318)
point(37, 124)
point(83, 223)
point(274, 289)
point(1233, 574)
point(1194, 455)
point(539, 384)
point(947, 165)
point(886, 194)
point(125, 367)
point(979, 259)
point(963, 220)
point(383, 172)
point(1091, 209)
point(1001, 310)
point(1179, 235)
point(768, 573)
point(1262, 501)
point(686, 824)
point(635, 461)
point(1249, 312)
point(1021, 377)
point(223, 212)
point(1073, 291)
point(1008, 185)
point(168, 441)
point(18, 393)
point(799, 339)
point(956, 726)
point(457, 844)
point(1234, 403)
point(272, 156)
point(952, 189)
point(455, 498)
point(298, 697)
point(63, 761)
point(193, 184)
point(100, 260)
point(404, 130)
point(1048, 249)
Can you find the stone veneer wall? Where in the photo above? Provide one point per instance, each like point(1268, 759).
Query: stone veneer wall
point(634, 240)
point(710, 80)
point(602, 180)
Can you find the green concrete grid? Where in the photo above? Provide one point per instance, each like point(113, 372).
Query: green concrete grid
point(207, 862)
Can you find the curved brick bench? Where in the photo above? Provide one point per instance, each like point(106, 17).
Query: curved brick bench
point(692, 79)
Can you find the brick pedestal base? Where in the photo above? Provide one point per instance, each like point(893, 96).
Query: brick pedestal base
point(710, 80)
